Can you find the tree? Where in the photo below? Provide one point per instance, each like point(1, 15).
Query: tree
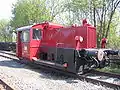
point(26, 12)
point(105, 16)
point(114, 33)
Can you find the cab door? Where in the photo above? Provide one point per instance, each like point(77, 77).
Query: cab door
point(25, 38)
point(35, 43)
point(19, 44)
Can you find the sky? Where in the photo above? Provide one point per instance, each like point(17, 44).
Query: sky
point(5, 8)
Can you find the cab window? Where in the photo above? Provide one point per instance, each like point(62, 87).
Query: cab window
point(25, 37)
point(37, 34)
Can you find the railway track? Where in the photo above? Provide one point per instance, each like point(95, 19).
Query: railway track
point(106, 79)
point(4, 86)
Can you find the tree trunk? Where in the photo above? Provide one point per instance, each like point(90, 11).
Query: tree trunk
point(94, 17)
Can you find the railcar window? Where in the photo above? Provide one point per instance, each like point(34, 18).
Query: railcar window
point(37, 34)
point(25, 36)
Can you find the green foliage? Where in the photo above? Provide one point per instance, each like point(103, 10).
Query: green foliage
point(114, 35)
point(56, 7)
point(112, 69)
point(5, 34)
point(80, 4)
point(3, 24)
point(86, 4)
point(114, 40)
point(26, 12)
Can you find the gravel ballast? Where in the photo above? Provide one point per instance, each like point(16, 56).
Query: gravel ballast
point(22, 77)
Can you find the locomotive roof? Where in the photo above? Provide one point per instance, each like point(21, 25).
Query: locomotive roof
point(28, 27)
point(24, 28)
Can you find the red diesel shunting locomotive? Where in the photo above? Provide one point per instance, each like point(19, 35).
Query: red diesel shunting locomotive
point(72, 48)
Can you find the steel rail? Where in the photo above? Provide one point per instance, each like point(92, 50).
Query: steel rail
point(115, 75)
point(4, 86)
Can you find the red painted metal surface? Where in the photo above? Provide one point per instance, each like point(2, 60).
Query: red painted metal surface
point(19, 45)
point(65, 37)
point(103, 42)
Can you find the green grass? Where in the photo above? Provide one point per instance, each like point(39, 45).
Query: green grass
point(112, 69)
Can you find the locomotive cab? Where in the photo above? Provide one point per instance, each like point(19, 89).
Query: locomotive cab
point(28, 41)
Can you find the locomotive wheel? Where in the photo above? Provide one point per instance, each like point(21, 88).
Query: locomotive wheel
point(104, 63)
point(84, 69)
point(95, 63)
point(81, 70)
point(81, 65)
point(107, 62)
